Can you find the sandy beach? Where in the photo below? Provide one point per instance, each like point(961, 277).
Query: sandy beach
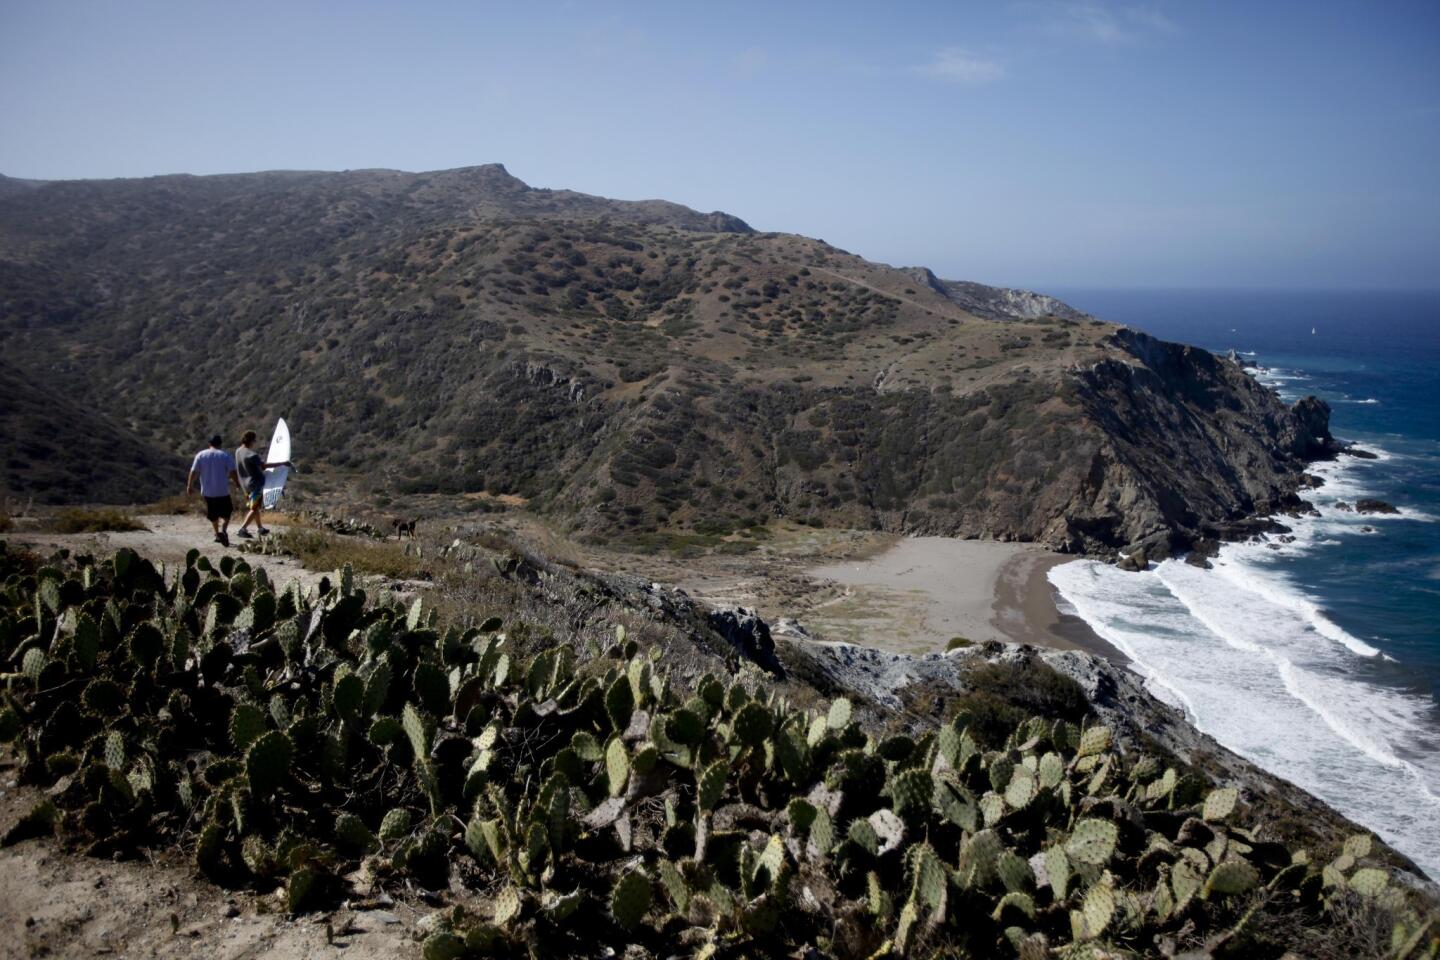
point(920, 593)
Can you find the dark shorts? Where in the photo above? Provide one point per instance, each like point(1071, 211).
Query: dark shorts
point(218, 508)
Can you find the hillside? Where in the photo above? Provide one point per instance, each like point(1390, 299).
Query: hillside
point(627, 366)
point(56, 451)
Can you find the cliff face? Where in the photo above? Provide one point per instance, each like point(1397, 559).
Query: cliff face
point(1192, 442)
point(629, 367)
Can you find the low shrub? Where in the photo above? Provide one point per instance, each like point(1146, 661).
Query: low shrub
point(170, 506)
point(322, 550)
point(79, 520)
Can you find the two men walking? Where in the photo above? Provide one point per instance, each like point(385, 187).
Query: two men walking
point(215, 469)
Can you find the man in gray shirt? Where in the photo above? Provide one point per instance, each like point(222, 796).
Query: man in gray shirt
point(251, 468)
point(215, 469)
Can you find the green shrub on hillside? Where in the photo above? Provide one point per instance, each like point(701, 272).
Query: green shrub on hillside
point(285, 736)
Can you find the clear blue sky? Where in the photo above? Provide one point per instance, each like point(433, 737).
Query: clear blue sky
point(1084, 143)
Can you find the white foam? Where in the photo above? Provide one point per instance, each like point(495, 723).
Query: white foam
point(1249, 577)
point(1254, 668)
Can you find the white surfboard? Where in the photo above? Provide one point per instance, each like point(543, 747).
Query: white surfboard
point(279, 452)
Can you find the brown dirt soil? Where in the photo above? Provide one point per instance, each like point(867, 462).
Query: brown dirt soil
point(54, 903)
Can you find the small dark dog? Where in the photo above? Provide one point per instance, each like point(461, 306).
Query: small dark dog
point(404, 528)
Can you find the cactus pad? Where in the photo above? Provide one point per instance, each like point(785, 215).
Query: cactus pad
point(617, 766)
point(352, 830)
point(1219, 804)
point(1051, 770)
point(711, 785)
point(1231, 877)
point(1092, 841)
point(247, 723)
point(1095, 912)
point(630, 899)
point(931, 879)
point(1021, 789)
point(752, 725)
point(1021, 903)
point(267, 763)
point(1094, 741)
point(911, 791)
point(417, 729)
point(1014, 871)
point(1369, 882)
point(1358, 846)
point(619, 704)
point(1057, 868)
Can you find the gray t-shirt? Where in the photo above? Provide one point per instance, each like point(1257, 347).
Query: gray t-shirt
point(251, 468)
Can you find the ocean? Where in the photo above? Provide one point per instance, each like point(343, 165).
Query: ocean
point(1317, 659)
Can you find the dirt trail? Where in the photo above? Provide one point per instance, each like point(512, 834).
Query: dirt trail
point(167, 539)
point(54, 903)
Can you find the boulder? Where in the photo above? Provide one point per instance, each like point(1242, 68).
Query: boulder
point(1132, 562)
point(1362, 454)
point(1200, 555)
point(1343, 507)
point(1312, 438)
point(1369, 505)
point(748, 635)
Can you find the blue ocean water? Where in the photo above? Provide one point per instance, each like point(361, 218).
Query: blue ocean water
point(1318, 658)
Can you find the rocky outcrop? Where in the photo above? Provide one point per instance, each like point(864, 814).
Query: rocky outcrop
point(998, 303)
point(1196, 447)
point(1370, 505)
point(748, 635)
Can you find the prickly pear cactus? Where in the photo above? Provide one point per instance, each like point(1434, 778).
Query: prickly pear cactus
point(288, 735)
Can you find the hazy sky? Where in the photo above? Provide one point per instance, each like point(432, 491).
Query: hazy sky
point(1035, 143)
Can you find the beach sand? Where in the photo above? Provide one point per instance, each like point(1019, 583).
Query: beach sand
point(923, 591)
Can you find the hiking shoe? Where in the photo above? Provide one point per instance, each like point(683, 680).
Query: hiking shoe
point(264, 531)
point(246, 534)
point(224, 539)
point(219, 538)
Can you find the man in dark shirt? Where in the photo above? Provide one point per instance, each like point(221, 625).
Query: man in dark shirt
point(251, 468)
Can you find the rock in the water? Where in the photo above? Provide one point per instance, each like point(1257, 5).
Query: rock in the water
point(1341, 505)
point(1133, 562)
point(1369, 505)
point(1201, 553)
point(1362, 454)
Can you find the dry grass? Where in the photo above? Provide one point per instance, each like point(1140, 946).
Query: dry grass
point(170, 506)
point(321, 550)
point(81, 520)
